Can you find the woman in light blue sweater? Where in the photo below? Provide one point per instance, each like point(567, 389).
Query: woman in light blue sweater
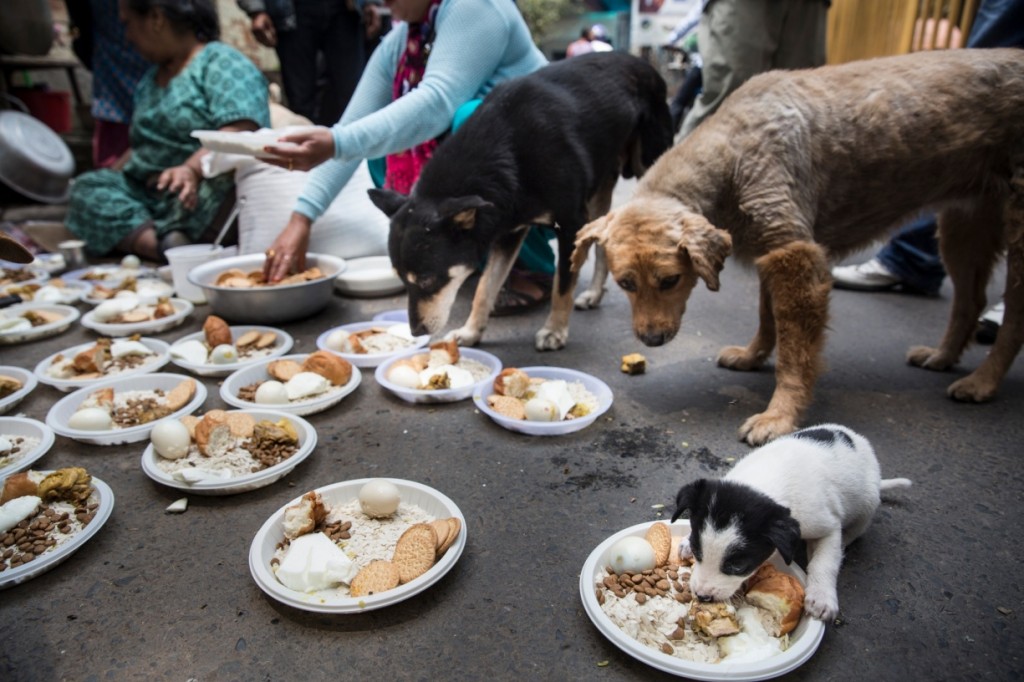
point(447, 54)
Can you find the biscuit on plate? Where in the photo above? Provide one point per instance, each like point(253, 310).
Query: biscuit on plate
point(179, 396)
point(660, 538)
point(415, 551)
point(283, 370)
point(379, 576)
point(454, 528)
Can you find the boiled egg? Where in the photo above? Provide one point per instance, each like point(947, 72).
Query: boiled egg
point(131, 262)
point(631, 554)
point(379, 498)
point(170, 439)
point(192, 351)
point(91, 419)
point(339, 340)
point(541, 410)
point(272, 393)
point(224, 354)
point(52, 294)
point(5, 445)
point(404, 374)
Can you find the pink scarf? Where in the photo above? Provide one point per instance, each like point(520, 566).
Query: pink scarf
point(404, 168)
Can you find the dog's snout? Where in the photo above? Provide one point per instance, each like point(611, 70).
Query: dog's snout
point(705, 598)
point(653, 338)
point(419, 329)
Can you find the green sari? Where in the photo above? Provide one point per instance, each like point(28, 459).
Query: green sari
point(219, 86)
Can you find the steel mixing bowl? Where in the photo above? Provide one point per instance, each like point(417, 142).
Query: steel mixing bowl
point(269, 304)
point(34, 160)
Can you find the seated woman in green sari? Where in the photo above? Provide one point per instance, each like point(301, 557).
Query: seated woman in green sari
point(157, 198)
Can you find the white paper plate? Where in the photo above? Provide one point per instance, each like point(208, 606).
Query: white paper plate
point(393, 316)
point(109, 275)
point(44, 330)
point(152, 287)
point(28, 382)
point(282, 345)
point(272, 532)
point(21, 426)
point(598, 388)
point(258, 372)
point(451, 395)
point(57, 417)
point(73, 291)
point(371, 276)
point(239, 484)
point(102, 494)
point(39, 275)
point(804, 640)
point(244, 142)
point(182, 309)
point(366, 359)
point(154, 363)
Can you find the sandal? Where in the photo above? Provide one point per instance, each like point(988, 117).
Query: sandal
point(512, 301)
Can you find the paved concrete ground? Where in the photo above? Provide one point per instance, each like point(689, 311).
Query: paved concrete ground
point(931, 592)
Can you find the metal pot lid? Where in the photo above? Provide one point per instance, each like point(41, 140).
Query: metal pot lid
point(34, 160)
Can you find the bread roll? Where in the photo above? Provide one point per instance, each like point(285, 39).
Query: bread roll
point(443, 353)
point(213, 435)
point(512, 382)
point(779, 594)
point(16, 486)
point(328, 365)
point(216, 331)
point(303, 517)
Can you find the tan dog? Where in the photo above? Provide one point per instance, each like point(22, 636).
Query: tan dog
point(801, 167)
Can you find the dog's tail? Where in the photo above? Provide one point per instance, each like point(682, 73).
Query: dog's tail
point(892, 483)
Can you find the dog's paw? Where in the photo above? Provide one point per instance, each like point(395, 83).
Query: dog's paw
point(589, 299)
point(551, 339)
point(930, 358)
point(739, 358)
point(464, 336)
point(972, 389)
point(821, 604)
point(766, 426)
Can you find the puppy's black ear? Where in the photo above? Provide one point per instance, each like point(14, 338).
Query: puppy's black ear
point(462, 210)
point(784, 533)
point(687, 496)
point(387, 200)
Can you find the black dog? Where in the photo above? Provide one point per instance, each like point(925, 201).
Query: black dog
point(547, 147)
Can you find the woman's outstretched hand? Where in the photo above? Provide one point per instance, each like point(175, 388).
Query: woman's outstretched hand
point(183, 181)
point(305, 150)
point(288, 252)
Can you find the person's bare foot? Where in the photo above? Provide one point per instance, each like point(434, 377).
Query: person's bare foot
point(522, 292)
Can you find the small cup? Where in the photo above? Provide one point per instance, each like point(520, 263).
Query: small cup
point(73, 251)
point(183, 259)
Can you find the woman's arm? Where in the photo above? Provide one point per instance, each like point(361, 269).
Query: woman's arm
point(184, 179)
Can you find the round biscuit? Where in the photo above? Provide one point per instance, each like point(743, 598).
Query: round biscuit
point(660, 538)
point(378, 576)
point(442, 529)
point(455, 527)
point(415, 551)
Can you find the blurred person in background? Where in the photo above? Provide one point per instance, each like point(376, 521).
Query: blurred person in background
point(116, 66)
point(741, 38)
point(303, 31)
point(157, 198)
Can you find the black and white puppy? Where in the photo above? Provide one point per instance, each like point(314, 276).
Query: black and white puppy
point(544, 148)
point(820, 484)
